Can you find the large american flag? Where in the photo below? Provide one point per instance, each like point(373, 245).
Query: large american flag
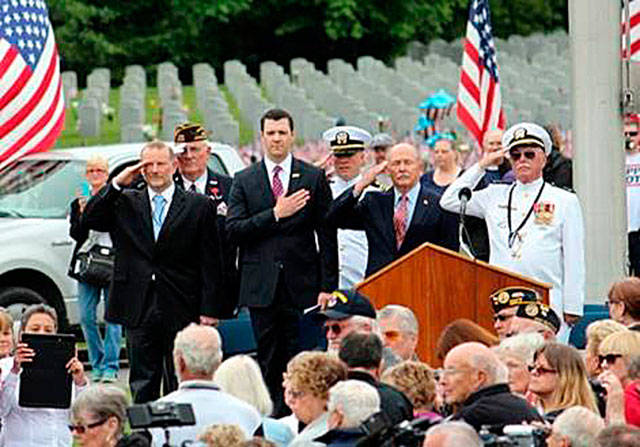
point(479, 105)
point(634, 33)
point(31, 99)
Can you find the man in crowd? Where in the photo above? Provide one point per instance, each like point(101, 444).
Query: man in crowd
point(452, 434)
point(197, 353)
point(167, 264)
point(619, 436)
point(632, 147)
point(193, 151)
point(346, 311)
point(347, 146)
point(380, 144)
point(505, 303)
point(471, 382)
point(536, 228)
point(288, 254)
point(351, 402)
point(575, 427)
point(398, 220)
point(535, 317)
point(399, 329)
point(362, 353)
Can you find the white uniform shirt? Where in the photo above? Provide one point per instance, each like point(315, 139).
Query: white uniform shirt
point(551, 243)
point(633, 192)
point(353, 248)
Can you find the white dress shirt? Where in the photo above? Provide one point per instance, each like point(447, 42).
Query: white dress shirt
point(30, 427)
point(200, 182)
point(550, 247)
point(284, 174)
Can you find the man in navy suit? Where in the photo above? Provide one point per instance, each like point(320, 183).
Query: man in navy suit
point(398, 220)
point(288, 253)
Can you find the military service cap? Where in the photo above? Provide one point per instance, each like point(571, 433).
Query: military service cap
point(346, 140)
point(513, 296)
point(189, 133)
point(346, 303)
point(541, 313)
point(527, 134)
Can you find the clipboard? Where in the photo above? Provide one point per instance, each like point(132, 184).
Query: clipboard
point(45, 382)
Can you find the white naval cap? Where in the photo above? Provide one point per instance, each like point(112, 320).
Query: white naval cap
point(346, 140)
point(529, 134)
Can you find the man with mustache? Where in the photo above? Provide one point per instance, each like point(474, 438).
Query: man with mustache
point(534, 227)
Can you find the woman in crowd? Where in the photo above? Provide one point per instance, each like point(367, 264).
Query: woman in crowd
point(596, 332)
point(6, 334)
point(461, 331)
point(417, 381)
point(559, 380)
point(223, 435)
point(41, 427)
point(445, 163)
point(240, 376)
point(306, 391)
point(624, 302)
point(517, 354)
point(98, 417)
point(104, 355)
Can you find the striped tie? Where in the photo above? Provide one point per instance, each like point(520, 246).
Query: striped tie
point(400, 220)
point(276, 185)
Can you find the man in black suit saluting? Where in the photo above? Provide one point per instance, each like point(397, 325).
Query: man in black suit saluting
point(398, 220)
point(276, 213)
point(167, 264)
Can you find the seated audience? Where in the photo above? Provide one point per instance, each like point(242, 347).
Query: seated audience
point(351, 402)
point(399, 329)
point(452, 434)
point(347, 311)
point(23, 426)
point(417, 381)
point(517, 354)
point(535, 317)
point(471, 379)
point(307, 381)
point(240, 376)
point(619, 436)
point(505, 302)
point(197, 353)
point(98, 417)
point(362, 353)
point(223, 435)
point(624, 302)
point(6, 334)
point(559, 380)
point(462, 331)
point(575, 427)
point(595, 333)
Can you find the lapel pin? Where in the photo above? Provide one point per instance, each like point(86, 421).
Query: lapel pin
point(295, 175)
point(425, 201)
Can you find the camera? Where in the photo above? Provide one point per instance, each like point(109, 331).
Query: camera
point(160, 414)
point(380, 432)
point(514, 436)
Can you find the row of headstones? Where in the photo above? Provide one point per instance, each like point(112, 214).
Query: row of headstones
point(217, 118)
point(133, 104)
point(170, 95)
point(95, 99)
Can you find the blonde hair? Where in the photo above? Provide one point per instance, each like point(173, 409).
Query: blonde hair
point(416, 380)
point(625, 343)
point(598, 331)
point(240, 376)
point(222, 435)
point(315, 372)
point(98, 160)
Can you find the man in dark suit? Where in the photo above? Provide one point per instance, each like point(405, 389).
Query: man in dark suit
point(398, 220)
point(193, 175)
point(277, 214)
point(166, 265)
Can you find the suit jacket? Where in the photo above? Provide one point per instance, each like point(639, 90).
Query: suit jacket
point(217, 189)
point(286, 249)
point(374, 214)
point(182, 265)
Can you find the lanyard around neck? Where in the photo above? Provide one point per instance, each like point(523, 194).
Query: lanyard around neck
point(513, 234)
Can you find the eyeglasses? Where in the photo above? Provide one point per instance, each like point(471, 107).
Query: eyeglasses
point(540, 370)
point(502, 317)
point(631, 134)
point(609, 358)
point(80, 429)
point(609, 303)
point(515, 155)
point(294, 394)
point(392, 335)
point(334, 327)
point(441, 373)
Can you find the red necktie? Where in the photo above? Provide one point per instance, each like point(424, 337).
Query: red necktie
point(276, 184)
point(400, 220)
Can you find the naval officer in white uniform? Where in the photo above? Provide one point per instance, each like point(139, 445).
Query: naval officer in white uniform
point(535, 228)
point(347, 147)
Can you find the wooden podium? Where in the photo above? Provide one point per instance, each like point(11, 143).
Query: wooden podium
point(440, 285)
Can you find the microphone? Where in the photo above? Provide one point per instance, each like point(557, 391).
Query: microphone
point(464, 194)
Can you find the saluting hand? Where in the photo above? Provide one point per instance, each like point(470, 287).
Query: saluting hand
point(491, 159)
point(129, 173)
point(289, 205)
point(369, 176)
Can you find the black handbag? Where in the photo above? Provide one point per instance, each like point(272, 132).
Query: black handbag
point(94, 266)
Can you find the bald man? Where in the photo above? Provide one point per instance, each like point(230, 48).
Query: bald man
point(398, 220)
point(474, 381)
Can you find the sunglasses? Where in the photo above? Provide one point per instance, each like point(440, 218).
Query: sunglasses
point(501, 317)
point(631, 134)
point(515, 155)
point(539, 370)
point(335, 328)
point(392, 335)
point(80, 429)
point(609, 358)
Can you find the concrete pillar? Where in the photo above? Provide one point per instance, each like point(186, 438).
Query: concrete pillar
point(594, 26)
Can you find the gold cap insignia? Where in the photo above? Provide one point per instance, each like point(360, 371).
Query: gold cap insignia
point(342, 137)
point(520, 133)
point(503, 297)
point(531, 309)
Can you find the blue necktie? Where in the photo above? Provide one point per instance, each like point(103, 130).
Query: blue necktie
point(158, 207)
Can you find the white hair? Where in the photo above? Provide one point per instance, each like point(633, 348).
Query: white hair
point(355, 400)
point(406, 317)
point(456, 434)
point(200, 348)
point(488, 362)
point(240, 376)
point(521, 346)
point(580, 425)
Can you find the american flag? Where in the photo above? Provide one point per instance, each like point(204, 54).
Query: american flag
point(479, 105)
point(31, 99)
point(634, 34)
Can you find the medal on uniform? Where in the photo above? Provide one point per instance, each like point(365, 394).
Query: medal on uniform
point(544, 212)
point(516, 244)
